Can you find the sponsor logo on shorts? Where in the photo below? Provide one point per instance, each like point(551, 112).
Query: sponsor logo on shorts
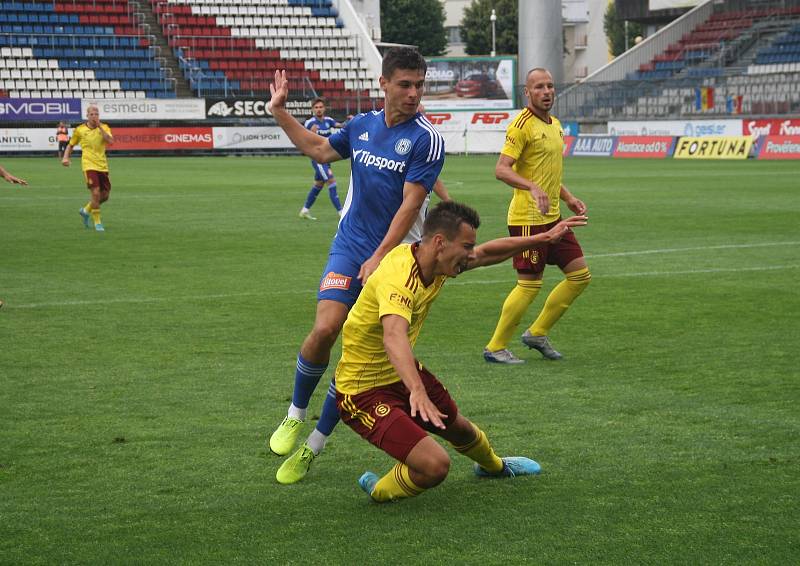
point(335, 281)
point(382, 410)
point(533, 255)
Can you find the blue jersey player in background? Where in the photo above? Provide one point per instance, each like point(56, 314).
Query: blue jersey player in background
point(324, 126)
point(395, 158)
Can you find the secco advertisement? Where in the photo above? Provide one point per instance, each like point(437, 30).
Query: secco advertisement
point(778, 147)
point(147, 108)
point(644, 146)
point(713, 147)
point(162, 138)
point(28, 139)
point(251, 138)
point(694, 128)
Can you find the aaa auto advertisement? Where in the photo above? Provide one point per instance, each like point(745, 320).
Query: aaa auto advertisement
point(162, 138)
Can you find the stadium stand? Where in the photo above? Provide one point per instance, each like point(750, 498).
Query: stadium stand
point(233, 48)
point(734, 62)
point(77, 48)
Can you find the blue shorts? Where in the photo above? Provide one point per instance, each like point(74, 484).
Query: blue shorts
point(339, 281)
point(322, 171)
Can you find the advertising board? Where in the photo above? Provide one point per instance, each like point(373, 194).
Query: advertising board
point(778, 147)
point(695, 128)
point(147, 108)
point(713, 147)
point(466, 83)
point(162, 138)
point(644, 146)
point(29, 109)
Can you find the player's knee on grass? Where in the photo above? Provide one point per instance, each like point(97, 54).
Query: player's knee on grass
point(429, 462)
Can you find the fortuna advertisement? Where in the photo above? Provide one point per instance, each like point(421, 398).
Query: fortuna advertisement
point(714, 147)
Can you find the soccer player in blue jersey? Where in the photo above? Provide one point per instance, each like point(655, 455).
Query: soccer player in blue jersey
point(324, 126)
point(396, 156)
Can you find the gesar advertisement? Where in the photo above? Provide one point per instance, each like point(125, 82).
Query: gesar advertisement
point(470, 83)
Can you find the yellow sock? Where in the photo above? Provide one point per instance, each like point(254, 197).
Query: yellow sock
point(88, 208)
point(559, 300)
point(396, 484)
point(95, 212)
point(481, 452)
point(515, 305)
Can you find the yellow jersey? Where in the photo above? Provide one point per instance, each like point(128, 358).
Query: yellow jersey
point(93, 147)
point(537, 148)
point(394, 288)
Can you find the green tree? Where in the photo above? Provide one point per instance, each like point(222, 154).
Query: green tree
point(476, 28)
point(615, 31)
point(415, 22)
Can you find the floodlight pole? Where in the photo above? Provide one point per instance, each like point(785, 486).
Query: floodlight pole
point(493, 19)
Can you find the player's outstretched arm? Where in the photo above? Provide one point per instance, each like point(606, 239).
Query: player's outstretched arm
point(413, 197)
point(314, 146)
point(496, 251)
point(504, 171)
point(441, 190)
point(398, 348)
point(11, 178)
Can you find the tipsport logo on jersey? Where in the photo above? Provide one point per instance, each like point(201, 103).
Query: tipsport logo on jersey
point(368, 159)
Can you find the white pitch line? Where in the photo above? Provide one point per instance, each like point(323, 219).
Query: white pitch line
point(698, 248)
point(310, 291)
point(678, 250)
point(651, 273)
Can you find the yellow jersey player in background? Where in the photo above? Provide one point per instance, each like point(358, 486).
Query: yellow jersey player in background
point(531, 162)
point(388, 397)
point(93, 137)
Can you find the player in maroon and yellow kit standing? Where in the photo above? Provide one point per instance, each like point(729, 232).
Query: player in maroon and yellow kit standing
point(93, 136)
point(388, 397)
point(531, 163)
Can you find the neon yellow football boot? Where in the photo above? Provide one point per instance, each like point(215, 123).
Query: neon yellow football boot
point(296, 466)
point(285, 436)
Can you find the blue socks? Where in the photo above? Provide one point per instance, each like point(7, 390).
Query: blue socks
point(306, 378)
point(330, 414)
point(334, 196)
point(312, 196)
point(314, 193)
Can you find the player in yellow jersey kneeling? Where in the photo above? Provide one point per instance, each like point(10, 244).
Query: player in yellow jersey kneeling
point(388, 397)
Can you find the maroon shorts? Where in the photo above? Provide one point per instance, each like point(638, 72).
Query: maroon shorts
point(533, 260)
point(382, 415)
point(98, 179)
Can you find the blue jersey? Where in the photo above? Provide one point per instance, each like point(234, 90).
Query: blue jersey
point(382, 159)
point(325, 126)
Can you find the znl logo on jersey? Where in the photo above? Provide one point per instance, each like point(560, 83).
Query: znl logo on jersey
point(335, 281)
point(403, 146)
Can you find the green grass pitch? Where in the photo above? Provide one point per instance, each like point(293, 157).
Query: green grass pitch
point(141, 371)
